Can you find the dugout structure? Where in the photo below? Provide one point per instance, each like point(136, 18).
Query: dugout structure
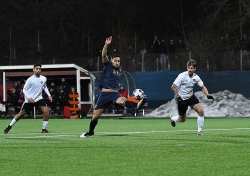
point(76, 76)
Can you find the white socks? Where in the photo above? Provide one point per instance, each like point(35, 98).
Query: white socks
point(45, 124)
point(200, 122)
point(13, 122)
point(175, 118)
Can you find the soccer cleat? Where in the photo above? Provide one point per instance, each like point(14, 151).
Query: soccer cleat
point(44, 131)
point(7, 129)
point(140, 103)
point(172, 122)
point(200, 133)
point(87, 134)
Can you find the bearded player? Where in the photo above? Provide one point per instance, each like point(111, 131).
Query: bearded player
point(184, 95)
point(32, 90)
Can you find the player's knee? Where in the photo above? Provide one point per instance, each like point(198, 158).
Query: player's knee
point(121, 100)
point(46, 113)
point(201, 112)
point(182, 119)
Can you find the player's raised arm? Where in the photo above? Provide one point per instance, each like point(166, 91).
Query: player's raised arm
point(105, 49)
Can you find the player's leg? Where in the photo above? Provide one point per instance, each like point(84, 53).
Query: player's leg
point(200, 120)
point(129, 104)
point(195, 105)
point(102, 102)
point(21, 113)
point(175, 119)
point(96, 114)
point(182, 107)
point(45, 111)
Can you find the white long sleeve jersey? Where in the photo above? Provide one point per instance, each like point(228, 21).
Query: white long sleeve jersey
point(185, 84)
point(33, 88)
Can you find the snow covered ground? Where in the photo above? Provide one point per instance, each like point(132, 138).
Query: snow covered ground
point(226, 104)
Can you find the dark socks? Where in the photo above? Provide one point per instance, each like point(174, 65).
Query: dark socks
point(92, 125)
point(130, 104)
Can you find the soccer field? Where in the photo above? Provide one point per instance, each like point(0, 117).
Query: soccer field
point(126, 147)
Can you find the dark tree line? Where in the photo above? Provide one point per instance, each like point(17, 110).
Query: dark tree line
point(62, 29)
point(77, 28)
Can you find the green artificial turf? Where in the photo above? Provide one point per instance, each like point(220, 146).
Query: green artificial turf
point(126, 147)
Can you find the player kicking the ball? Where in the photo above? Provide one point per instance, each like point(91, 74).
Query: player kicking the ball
point(109, 86)
point(184, 95)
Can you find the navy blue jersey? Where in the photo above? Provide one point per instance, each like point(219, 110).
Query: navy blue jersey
point(110, 77)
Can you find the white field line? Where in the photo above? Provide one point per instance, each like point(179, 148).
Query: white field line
point(54, 135)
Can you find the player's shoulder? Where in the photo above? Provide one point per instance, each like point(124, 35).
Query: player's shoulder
point(183, 74)
point(108, 65)
point(31, 77)
point(43, 77)
point(196, 76)
point(108, 62)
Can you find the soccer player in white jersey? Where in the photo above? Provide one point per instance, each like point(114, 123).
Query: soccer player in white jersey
point(184, 95)
point(32, 90)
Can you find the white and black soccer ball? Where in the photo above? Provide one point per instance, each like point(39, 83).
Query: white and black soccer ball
point(138, 94)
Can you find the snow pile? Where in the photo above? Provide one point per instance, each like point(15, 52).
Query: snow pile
point(226, 104)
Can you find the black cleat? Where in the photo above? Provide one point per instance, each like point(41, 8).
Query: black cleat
point(7, 129)
point(44, 131)
point(201, 133)
point(172, 122)
point(87, 134)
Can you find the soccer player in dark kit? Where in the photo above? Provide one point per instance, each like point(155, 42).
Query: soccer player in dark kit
point(109, 87)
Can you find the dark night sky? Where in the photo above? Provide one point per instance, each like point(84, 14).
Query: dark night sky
point(77, 28)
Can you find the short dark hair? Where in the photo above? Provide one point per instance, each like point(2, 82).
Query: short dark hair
point(35, 65)
point(115, 55)
point(191, 62)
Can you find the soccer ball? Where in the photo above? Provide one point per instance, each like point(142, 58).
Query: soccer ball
point(138, 94)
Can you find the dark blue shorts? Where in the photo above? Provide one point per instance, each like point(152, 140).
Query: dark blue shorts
point(105, 99)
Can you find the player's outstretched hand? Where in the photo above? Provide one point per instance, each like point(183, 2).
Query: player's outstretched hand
point(210, 97)
point(108, 40)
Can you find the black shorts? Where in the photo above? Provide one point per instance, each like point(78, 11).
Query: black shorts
point(183, 105)
point(27, 107)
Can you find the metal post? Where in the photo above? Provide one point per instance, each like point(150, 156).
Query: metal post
point(34, 112)
point(38, 41)
point(135, 42)
point(10, 47)
point(142, 62)
point(98, 61)
point(4, 86)
point(241, 59)
point(240, 35)
point(157, 64)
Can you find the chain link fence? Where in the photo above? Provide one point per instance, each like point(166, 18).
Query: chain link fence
point(154, 62)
